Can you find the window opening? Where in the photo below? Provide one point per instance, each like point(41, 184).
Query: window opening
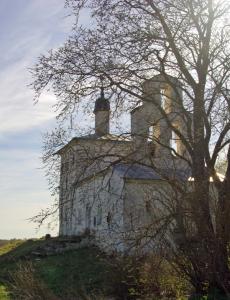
point(163, 98)
point(148, 206)
point(109, 220)
point(79, 217)
point(99, 215)
point(88, 216)
point(174, 142)
point(151, 133)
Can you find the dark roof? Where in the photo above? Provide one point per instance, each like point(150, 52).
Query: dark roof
point(107, 137)
point(137, 171)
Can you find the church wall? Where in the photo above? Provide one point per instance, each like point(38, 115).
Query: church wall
point(148, 205)
point(141, 200)
point(144, 211)
point(89, 156)
point(80, 160)
point(96, 207)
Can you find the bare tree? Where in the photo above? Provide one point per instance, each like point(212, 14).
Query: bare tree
point(131, 41)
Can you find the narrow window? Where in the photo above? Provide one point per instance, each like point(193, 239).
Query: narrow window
point(109, 220)
point(88, 216)
point(151, 133)
point(79, 216)
point(99, 215)
point(148, 206)
point(163, 98)
point(174, 143)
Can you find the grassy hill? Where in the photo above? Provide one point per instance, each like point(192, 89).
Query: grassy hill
point(25, 268)
point(57, 269)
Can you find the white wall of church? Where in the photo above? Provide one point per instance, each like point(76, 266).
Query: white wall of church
point(81, 160)
point(97, 207)
point(145, 203)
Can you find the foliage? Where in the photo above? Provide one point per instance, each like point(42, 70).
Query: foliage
point(148, 276)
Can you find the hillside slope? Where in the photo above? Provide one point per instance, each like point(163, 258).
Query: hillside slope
point(70, 274)
point(64, 269)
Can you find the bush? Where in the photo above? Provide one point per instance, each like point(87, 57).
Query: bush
point(149, 277)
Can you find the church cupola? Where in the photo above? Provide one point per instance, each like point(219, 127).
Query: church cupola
point(102, 113)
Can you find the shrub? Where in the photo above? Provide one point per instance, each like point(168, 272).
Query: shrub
point(149, 277)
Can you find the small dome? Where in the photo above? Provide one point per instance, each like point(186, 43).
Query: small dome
point(102, 104)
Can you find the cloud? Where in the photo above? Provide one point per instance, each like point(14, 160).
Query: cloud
point(35, 29)
point(23, 187)
point(27, 29)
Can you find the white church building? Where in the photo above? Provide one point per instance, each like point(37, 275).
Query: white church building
point(111, 186)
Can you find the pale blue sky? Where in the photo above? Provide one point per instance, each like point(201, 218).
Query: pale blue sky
point(27, 29)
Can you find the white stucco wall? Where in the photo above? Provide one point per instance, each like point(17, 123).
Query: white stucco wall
point(145, 203)
point(97, 205)
point(79, 160)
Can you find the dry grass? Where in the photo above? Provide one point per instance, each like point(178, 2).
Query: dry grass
point(25, 286)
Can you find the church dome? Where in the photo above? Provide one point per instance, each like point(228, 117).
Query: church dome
point(102, 104)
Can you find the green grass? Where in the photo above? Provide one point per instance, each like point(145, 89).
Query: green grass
point(84, 268)
point(3, 293)
point(12, 253)
point(19, 248)
point(72, 274)
point(66, 274)
point(9, 246)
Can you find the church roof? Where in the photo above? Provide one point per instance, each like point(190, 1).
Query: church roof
point(141, 172)
point(136, 171)
point(107, 137)
point(94, 137)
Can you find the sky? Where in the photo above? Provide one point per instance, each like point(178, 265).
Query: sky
point(28, 28)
